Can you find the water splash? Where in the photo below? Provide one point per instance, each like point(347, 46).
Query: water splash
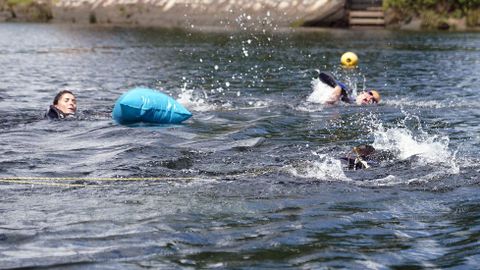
point(194, 101)
point(321, 92)
point(431, 149)
point(414, 102)
point(324, 168)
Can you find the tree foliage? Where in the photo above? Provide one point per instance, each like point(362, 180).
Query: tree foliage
point(438, 5)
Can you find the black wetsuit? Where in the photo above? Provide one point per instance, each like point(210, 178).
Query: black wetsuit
point(54, 113)
point(366, 155)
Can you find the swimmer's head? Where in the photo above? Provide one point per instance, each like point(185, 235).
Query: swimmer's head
point(368, 97)
point(364, 150)
point(66, 102)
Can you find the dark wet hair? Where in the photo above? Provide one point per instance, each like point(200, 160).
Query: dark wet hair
point(60, 94)
point(364, 150)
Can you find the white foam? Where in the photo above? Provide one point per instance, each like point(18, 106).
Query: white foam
point(431, 149)
point(324, 168)
point(387, 181)
point(456, 102)
point(399, 102)
point(193, 101)
point(321, 92)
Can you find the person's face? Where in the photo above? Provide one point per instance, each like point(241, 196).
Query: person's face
point(365, 98)
point(67, 104)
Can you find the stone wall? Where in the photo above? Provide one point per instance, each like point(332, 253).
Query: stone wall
point(25, 11)
point(188, 13)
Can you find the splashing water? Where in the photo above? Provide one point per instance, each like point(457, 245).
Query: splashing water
point(400, 102)
point(324, 168)
point(431, 149)
point(191, 100)
point(321, 92)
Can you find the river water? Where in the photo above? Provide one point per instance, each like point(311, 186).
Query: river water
point(253, 179)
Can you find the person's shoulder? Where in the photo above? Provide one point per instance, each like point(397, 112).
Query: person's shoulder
point(54, 113)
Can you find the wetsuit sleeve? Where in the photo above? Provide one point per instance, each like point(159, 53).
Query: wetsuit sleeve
point(327, 79)
point(345, 94)
point(53, 113)
point(332, 82)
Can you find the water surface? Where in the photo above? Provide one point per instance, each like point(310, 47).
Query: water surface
point(253, 179)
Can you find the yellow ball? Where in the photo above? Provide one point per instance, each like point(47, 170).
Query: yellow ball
point(349, 59)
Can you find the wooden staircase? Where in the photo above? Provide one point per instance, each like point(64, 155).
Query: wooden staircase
point(365, 13)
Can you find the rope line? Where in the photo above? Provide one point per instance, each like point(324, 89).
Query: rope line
point(28, 178)
point(57, 181)
point(41, 183)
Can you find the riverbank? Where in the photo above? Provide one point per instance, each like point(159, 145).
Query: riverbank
point(230, 14)
point(453, 15)
point(177, 13)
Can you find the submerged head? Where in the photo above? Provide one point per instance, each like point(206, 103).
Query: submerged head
point(368, 97)
point(66, 102)
point(364, 150)
point(358, 157)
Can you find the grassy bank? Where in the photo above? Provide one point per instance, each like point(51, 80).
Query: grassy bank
point(434, 14)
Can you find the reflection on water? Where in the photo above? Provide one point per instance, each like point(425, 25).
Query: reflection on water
point(253, 179)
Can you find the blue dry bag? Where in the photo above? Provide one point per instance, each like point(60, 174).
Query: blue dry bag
point(147, 105)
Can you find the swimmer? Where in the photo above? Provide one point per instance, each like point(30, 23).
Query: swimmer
point(356, 159)
point(365, 156)
point(64, 106)
point(341, 92)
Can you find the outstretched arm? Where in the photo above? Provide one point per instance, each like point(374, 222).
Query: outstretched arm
point(341, 90)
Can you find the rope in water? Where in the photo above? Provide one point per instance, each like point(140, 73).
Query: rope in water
point(94, 181)
point(40, 183)
point(56, 181)
point(97, 178)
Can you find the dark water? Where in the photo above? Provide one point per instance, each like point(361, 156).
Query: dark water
point(253, 179)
